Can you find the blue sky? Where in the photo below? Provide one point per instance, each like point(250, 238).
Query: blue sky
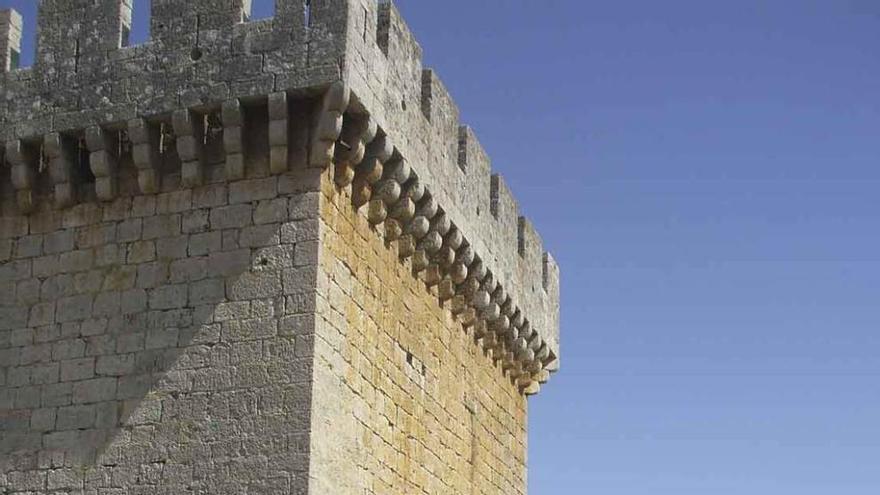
point(706, 174)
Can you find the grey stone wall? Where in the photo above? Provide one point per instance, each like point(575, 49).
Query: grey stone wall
point(204, 53)
point(158, 234)
point(160, 343)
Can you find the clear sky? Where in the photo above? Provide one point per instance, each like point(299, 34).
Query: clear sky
point(706, 174)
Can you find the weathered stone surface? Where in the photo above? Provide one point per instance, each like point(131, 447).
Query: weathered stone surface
point(229, 264)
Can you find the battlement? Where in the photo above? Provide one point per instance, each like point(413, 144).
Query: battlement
point(332, 83)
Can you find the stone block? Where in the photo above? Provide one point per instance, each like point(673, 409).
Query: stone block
point(64, 479)
point(254, 285)
point(271, 211)
point(207, 291)
point(172, 248)
point(299, 279)
point(35, 353)
point(189, 270)
point(100, 345)
point(210, 195)
point(151, 275)
point(161, 226)
point(28, 247)
point(205, 243)
point(304, 206)
point(259, 236)
point(114, 365)
point(74, 308)
point(56, 394)
point(77, 369)
point(174, 201)
point(161, 338)
point(42, 314)
point(143, 206)
point(253, 190)
point(75, 417)
point(230, 263)
point(168, 297)
point(107, 304)
point(27, 397)
point(43, 420)
point(141, 252)
point(129, 230)
point(300, 231)
point(94, 235)
point(295, 325)
point(194, 221)
point(76, 261)
point(231, 217)
point(68, 349)
point(244, 330)
point(5, 250)
point(94, 390)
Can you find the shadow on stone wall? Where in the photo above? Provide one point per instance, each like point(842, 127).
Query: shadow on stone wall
point(161, 344)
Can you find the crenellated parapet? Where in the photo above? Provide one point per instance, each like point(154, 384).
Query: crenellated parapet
point(412, 105)
point(332, 84)
point(201, 53)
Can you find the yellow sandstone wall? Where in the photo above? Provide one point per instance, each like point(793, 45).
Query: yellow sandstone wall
point(401, 392)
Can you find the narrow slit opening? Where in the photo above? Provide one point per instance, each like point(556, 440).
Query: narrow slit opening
point(76, 56)
point(196, 53)
point(521, 237)
point(211, 133)
point(84, 163)
point(256, 137)
point(495, 195)
point(545, 272)
point(14, 59)
point(427, 93)
point(366, 22)
point(307, 13)
point(169, 161)
point(42, 178)
point(383, 27)
point(462, 148)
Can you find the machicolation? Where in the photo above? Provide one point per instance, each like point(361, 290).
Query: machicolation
point(256, 256)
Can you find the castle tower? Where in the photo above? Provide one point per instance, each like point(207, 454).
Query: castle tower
point(256, 257)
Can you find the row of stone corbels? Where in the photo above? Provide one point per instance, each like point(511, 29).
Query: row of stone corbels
point(365, 160)
point(58, 153)
point(382, 181)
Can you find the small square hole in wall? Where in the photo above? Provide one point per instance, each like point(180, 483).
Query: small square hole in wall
point(262, 9)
